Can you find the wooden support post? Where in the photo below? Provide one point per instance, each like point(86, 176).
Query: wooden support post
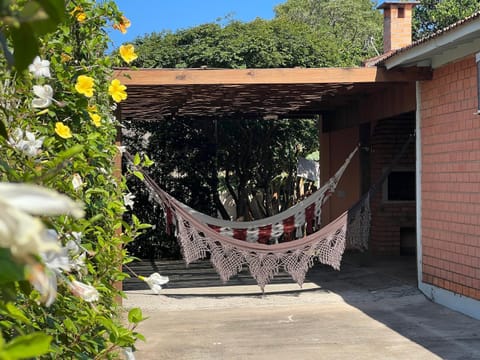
point(117, 172)
point(324, 140)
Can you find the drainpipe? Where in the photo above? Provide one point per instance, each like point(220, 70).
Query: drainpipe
point(418, 179)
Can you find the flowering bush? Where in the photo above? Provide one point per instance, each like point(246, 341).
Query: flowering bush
point(61, 202)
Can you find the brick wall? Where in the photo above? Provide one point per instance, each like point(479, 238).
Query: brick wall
point(389, 217)
point(451, 179)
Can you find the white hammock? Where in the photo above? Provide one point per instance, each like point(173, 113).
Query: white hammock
point(291, 221)
point(228, 255)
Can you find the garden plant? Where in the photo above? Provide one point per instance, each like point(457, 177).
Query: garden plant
point(62, 234)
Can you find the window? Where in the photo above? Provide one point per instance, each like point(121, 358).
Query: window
point(400, 186)
point(401, 13)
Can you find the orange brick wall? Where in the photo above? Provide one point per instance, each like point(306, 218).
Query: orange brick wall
point(451, 179)
point(387, 140)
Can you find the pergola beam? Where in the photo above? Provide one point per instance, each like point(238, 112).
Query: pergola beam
point(159, 77)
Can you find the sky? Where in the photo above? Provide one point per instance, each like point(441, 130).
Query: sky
point(149, 16)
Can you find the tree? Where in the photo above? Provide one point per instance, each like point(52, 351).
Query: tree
point(433, 15)
point(353, 25)
point(268, 150)
point(184, 165)
point(257, 44)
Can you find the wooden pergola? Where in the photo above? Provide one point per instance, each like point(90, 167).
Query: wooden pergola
point(156, 94)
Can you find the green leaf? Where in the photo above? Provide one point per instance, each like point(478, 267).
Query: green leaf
point(69, 153)
point(54, 8)
point(139, 175)
point(28, 346)
point(16, 313)
point(135, 315)
point(43, 15)
point(11, 270)
point(3, 130)
point(147, 161)
point(70, 326)
point(25, 45)
point(136, 159)
point(139, 336)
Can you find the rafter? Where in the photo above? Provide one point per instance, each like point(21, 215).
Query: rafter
point(156, 77)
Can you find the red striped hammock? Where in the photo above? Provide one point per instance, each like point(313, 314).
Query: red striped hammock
point(199, 235)
point(293, 223)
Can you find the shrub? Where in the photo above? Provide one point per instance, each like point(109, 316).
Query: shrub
point(58, 130)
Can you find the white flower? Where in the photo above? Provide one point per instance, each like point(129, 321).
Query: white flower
point(29, 145)
point(22, 233)
point(128, 353)
point(57, 261)
point(72, 247)
point(76, 251)
point(40, 68)
point(37, 200)
point(78, 263)
point(44, 95)
point(45, 283)
point(155, 281)
point(84, 291)
point(77, 181)
point(128, 200)
point(77, 237)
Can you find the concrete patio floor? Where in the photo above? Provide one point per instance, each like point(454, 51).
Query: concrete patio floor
point(364, 311)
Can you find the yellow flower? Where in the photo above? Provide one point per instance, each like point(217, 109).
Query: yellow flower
point(75, 9)
point(123, 25)
point(63, 130)
point(92, 108)
point(65, 57)
point(84, 85)
point(81, 17)
point(117, 91)
point(127, 52)
point(96, 119)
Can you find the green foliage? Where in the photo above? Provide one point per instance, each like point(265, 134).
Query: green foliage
point(257, 44)
point(11, 270)
point(183, 151)
point(191, 163)
point(25, 346)
point(433, 15)
point(353, 27)
point(265, 159)
point(71, 36)
point(24, 22)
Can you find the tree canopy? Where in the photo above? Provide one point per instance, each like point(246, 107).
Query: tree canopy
point(433, 15)
point(257, 44)
point(354, 26)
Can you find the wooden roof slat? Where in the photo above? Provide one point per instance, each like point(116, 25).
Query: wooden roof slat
point(268, 76)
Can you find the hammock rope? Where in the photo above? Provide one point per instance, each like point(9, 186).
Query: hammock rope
point(293, 222)
point(198, 236)
point(228, 255)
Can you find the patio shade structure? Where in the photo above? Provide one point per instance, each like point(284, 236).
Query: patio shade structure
point(155, 94)
point(168, 94)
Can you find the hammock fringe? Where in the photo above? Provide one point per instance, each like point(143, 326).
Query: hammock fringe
point(199, 235)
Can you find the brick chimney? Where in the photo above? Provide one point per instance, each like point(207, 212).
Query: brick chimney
point(397, 24)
